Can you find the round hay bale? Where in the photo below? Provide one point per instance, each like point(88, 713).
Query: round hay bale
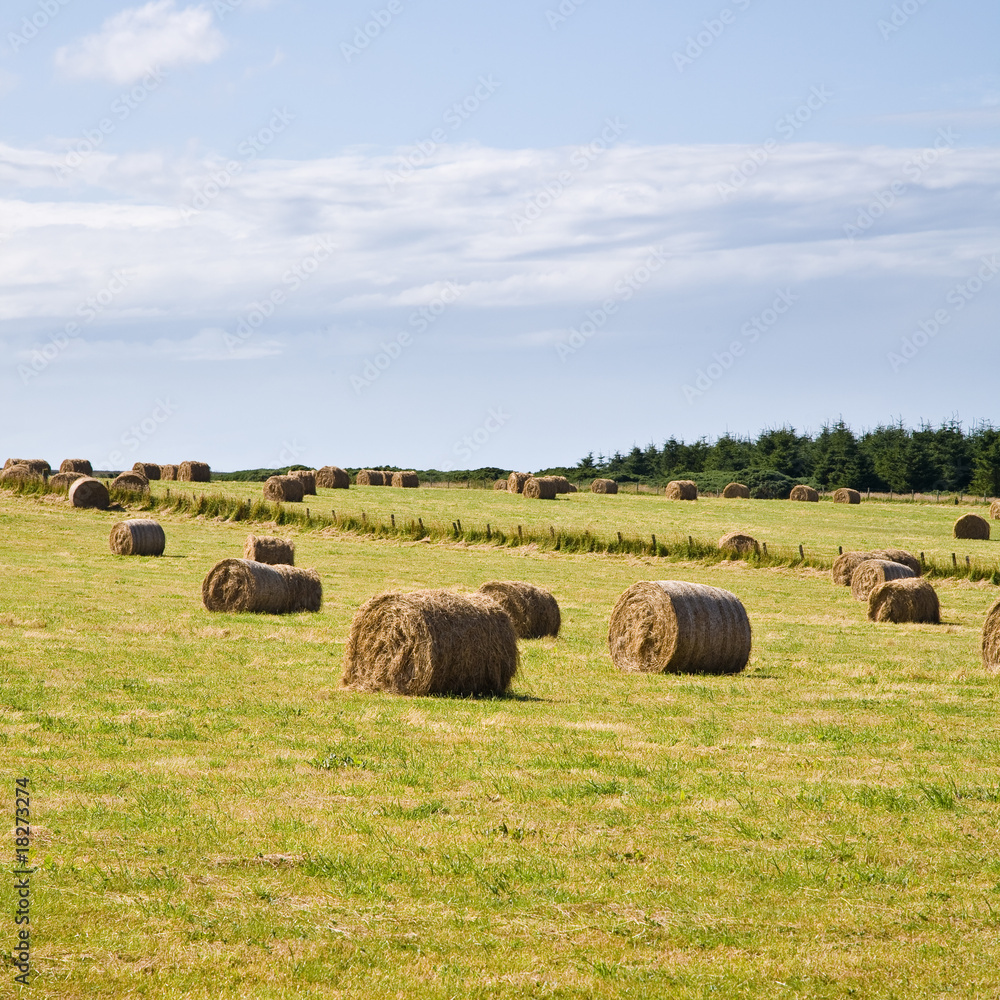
point(138, 537)
point(283, 489)
point(845, 565)
point(405, 480)
point(900, 556)
point(845, 495)
point(76, 465)
point(332, 477)
point(500, 484)
point(736, 491)
point(562, 484)
point(147, 469)
point(168, 473)
point(995, 510)
point(134, 482)
point(542, 488)
point(431, 642)
point(682, 489)
point(308, 479)
point(194, 472)
point(603, 486)
point(906, 600)
point(20, 474)
point(370, 477)
point(869, 574)
point(244, 585)
point(89, 492)
point(516, 481)
point(991, 638)
point(671, 626)
point(533, 611)
point(804, 493)
point(36, 465)
point(739, 544)
point(62, 481)
point(972, 526)
point(267, 549)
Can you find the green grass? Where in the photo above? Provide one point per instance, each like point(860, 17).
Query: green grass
point(216, 817)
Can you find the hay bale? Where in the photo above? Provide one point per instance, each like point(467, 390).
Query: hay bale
point(906, 600)
point(900, 556)
point(995, 510)
point(370, 477)
point(283, 489)
point(571, 488)
point(739, 544)
point(194, 472)
point(972, 526)
point(38, 466)
point(682, 489)
point(135, 482)
point(533, 611)
point(991, 638)
point(308, 479)
point(869, 574)
point(332, 477)
point(500, 484)
point(138, 537)
point(20, 474)
point(62, 481)
point(270, 550)
point(671, 626)
point(431, 642)
point(845, 495)
point(87, 492)
point(168, 473)
point(147, 469)
point(562, 484)
point(542, 488)
point(845, 565)
point(405, 480)
point(603, 486)
point(736, 491)
point(516, 481)
point(244, 585)
point(804, 493)
point(76, 465)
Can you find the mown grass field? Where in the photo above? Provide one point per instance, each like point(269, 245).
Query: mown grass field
point(216, 817)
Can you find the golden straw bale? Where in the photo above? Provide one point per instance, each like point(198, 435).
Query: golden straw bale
point(562, 484)
point(135, 482)
point(869, 574)
point(244, 585)
point(533, 611)
point(89, 492)
point(603, 486)
point(405, 480)
point(671, 626)
point(431, 642)
point(995, 510)
point(62, 481)
point(283, 488)
point(76, 465)
point(36, 465)
point(739, 544)
point(845, 495)
point(194, 472)
point(500, 484)
point(805, 493)
point(267, 549)
point(138, 537)
point(332, 477)
point(541, 488)
point(147, 469)
point(991, 639)
point(308, 479)
point(900, 556)
point(907, 600)
point(845, 565)
point(20, 474)
point(682, 489)
point(974, 527)
point(516, 481)
point(736, 491)
point(168, 473)
point(370, 477)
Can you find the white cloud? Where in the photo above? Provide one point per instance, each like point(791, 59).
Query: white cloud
point(138, 40)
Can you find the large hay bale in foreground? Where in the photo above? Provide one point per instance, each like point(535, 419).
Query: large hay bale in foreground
point(972, 526)
point(283, 489)
point(533, 611)
point(308, 479)
point(62, 481)
point(516, 481)
point(804, 493)
point(14, 474)
point(738, 543)
point(671, 626)
point(541, 488)
point(148, 469)
point(907, 600)
point(244, 585)
point(603, 486)
point(995, 510)
point(869, 574)
point(736, 491)
point(431, 642)
point(370, 477)
point(332, 477)
point(138, 537)
point(845, 495)
point(89, 492)
point(168, 473)
point(500, 484)
point(270, 550)
point(681, 489)
point(405, 480)
point(76, 465)
point(991, 638)
point(194, 472)
point(845, 565)
point(134, 482)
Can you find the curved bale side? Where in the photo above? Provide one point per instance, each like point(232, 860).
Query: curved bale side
point(873, 572)
point(671, 626)
point(134, 482)
point(76, 465)
point(500, 484)
point(283, 489)
point(805, 494)
point(89, 493)
point(270, 550)
point(20, 474)
point(534, 612)
point(516, 481)
point(845, 495)
point(431, 642)
point(908, 600)
point(62, 481)
point(138, 537)
point(604, 486)
point(995, 510)
point(405, 480)
point(736, 491)
point(168, 473)
point(370, 477)
point(973, 527)
point(543, 488)
point(333, 477)
point(991, 638)
point(308, 479)
point(739, 544)
point(681, 489)
point(194, 472)
point(148, 469)
point(242, 585)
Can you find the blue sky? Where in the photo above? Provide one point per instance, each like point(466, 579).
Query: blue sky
point(443, 234)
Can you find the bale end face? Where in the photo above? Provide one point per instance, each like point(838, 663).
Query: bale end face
point(542, 488)
point(905, 600)
point(516, 481)
point(608, 486)
point(681, 489)
point(500, 484)
point(739, 544)
point(533, 611)
point(972, 527)
point(995, 510)
point(133, 482)
point(846, 496)
point(89, 493)
point(736, 491)
point(805, 494)
point(332, 477)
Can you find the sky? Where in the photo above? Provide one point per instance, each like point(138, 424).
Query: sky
point(449, 235)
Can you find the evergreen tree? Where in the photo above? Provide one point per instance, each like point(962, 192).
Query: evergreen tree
point(781, 449)
point(986, 461)
point(838, 460)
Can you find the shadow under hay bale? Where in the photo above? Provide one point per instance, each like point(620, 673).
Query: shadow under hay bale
point(168, 473)
point(907, 600)
point(845, 565)
point(671, 626)
point(542, 488)
point(194, 472)
point(138, 537)
point(872, 572)
point(739, 544)
point(405, 480)
point(431, 642)
point(147, 469)
point(76, 465)
point(239, 585)
point(516, 481)
point(845, 495)
point(533, 611)
point(604, 486)
point(681, 489)
point(134, 482)
point(500, 484)
point(308, 479)
point(804, 493)
point(89, 493)
point(991, 639)
point(62, 481)
point(736, 491)
point(283, 489)
point(332, 477)
point(270, 550)
point(973, 527)
point(370, 477)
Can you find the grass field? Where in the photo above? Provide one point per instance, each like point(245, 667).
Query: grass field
point(215, 817)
